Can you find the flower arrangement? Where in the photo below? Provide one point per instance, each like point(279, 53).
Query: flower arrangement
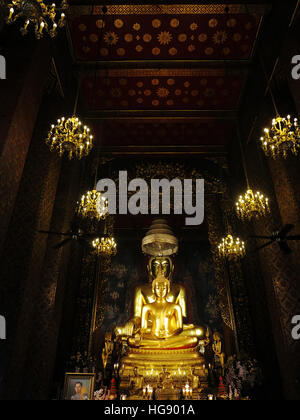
point(102, 394)
point(242, 376)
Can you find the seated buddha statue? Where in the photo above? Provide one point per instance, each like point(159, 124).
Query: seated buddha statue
point(144, 295)
point(157, 339)
point(162, 322)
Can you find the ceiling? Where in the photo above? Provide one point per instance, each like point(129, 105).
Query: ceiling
point(163, 79)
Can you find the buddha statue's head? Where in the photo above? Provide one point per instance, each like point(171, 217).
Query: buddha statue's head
point(161, 286)
point(160, 264)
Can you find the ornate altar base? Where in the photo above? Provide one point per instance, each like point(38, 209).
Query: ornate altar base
point(166, 372)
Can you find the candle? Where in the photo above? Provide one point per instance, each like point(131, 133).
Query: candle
point(11, 12)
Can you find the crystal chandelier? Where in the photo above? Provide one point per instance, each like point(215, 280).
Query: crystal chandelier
point(232, 248)
point(41, 15)
point(93, 205)
point(70, 137)
point(105, 246)
point(283, 137)
point(252, 205)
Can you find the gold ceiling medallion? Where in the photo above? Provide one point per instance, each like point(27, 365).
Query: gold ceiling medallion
point(42, 16)
point(282, 139)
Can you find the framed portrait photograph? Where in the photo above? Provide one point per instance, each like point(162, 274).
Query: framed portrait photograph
point(79, 386)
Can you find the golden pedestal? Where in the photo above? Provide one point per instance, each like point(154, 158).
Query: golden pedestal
point(166, 371)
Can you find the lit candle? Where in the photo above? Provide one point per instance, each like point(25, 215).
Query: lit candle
point(11, 12)
point(41, 31)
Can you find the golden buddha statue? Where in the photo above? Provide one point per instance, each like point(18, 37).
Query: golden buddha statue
point(107, 349)
point(157, 345)
point(157, 340)
point(162, 322)
point(145, 295)
point(218, 350)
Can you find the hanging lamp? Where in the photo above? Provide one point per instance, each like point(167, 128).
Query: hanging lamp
point(70, 136)
point(252, 204)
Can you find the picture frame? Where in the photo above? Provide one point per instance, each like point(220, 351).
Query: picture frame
point(79, 386)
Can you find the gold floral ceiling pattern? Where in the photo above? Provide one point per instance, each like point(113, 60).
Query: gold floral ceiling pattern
point(156, 35)
point(130, 95)
point(211, 89)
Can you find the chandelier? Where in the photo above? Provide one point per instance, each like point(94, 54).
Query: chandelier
point(70, 137)
point(105, 246)
point(232, 248)
point(93, 205)
point(283, 137)
point(42, 16)
point(252, 205)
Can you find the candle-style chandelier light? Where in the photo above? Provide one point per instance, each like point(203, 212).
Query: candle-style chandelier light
point(39, 14)
point(250, 205)
point(105, 246)
point(70, 136)
point(93, 205)
point(282, 139)
point(231, 248)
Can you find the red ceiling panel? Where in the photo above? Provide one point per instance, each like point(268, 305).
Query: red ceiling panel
point(191, 34)
point(166, 89)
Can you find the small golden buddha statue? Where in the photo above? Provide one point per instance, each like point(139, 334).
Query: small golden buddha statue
point(107, 349)
point(218, 349)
